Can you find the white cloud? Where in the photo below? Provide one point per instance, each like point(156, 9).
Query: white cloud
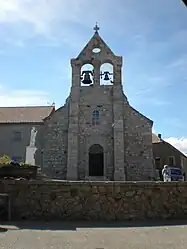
point(154, 130)
point(28, 18)
point(179, 143)
point(9, 97)
point(37, 13)
point(53, 20)
point(42, 14)
point(57, 19)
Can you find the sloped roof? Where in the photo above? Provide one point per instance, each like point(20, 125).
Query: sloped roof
point(156, 139)
point(25, 114)
point(94, 42)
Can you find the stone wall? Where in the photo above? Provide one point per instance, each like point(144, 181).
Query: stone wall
point(65, 200)
point(55, 136)
point(138, 146)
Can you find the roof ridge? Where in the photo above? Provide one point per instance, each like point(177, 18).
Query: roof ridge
point(26, 106)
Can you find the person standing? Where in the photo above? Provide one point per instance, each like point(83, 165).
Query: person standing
point(166, 173)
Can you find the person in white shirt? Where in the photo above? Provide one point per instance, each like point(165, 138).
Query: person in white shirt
point(166, 173)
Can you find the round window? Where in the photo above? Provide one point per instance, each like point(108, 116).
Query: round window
point(96, 50)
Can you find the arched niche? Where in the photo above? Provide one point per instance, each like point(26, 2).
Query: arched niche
point(107, 74)
point(96, 160)
point(87, 74)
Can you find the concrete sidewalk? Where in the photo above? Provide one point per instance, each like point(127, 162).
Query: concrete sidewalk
point(79, 235)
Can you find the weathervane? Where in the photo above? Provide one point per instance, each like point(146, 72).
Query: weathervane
point(96, 28)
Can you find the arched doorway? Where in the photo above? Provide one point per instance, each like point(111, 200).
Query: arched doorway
point(96, 160)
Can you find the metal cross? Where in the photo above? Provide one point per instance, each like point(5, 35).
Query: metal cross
point(96, 28)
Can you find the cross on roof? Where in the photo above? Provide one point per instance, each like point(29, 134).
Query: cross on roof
point(96, 28)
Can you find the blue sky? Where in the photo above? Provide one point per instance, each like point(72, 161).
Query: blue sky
point(39, 37)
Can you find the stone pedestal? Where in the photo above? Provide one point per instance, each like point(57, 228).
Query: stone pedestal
point(31, 149)
point(30, 154)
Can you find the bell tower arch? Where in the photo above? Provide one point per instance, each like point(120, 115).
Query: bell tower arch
point(96, 52)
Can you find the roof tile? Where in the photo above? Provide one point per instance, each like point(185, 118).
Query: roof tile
point(156, 139)
point(26, 114)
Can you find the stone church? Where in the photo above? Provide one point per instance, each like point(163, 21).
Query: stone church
point(97, 135)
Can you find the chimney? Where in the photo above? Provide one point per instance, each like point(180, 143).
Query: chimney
point(160, 136)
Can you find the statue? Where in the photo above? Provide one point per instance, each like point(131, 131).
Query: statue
point(33, 136)
point(166, 173)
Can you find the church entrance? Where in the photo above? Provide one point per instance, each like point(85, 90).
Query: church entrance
point(96, 160)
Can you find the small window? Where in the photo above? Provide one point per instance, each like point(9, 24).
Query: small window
point(157, 162)
point(171, 160)
point(95, 117)
point(17, 136)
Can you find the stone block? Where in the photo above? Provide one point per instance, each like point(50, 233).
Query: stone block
point(65, 200)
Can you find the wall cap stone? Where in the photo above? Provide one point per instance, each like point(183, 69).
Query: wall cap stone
point(94, 183)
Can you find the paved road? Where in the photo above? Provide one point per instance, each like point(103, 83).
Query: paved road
point(91, 236)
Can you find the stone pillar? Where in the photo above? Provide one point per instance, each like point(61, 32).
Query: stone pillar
point(118, 127)
point(119, 172)
point(117, 71)
point(96, 73)
point(73, 130)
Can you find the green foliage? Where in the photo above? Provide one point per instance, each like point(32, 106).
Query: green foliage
point(5, 160)
point(23, 164)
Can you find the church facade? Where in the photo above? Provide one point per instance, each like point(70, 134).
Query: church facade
point(97, 135)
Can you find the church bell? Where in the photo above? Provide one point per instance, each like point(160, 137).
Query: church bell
point(106, 75)
point(86, 79)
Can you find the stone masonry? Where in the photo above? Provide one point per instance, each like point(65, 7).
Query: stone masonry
point(63, 200)
point(123, 134)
